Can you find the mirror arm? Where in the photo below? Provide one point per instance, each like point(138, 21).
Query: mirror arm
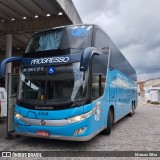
point(87, 56)
point(5, 61)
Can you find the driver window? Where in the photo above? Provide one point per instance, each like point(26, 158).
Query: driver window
point(96, 86)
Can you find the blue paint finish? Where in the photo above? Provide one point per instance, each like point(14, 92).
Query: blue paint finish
point(124, 92)
point(119, 93)
point(31, 115)
point(78, 32)
point(67, 130)
point(52, 115)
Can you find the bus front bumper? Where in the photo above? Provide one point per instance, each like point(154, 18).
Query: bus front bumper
point(58, 137)
point(65, 132)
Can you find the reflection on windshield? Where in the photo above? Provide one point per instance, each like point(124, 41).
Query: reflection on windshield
point(67, 83)
point(28, 83)
point(78, 80)
point(47, 41)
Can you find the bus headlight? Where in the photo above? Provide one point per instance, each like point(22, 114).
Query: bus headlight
point(80, 117)
point(17, 115)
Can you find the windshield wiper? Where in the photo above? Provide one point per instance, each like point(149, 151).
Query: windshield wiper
point(75, 103)
point(79, 101)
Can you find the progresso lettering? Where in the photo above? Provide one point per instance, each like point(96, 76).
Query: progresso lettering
point(50, 60)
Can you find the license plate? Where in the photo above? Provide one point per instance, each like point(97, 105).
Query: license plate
point(43, 133)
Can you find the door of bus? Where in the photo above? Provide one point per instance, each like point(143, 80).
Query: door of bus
point(11, 100)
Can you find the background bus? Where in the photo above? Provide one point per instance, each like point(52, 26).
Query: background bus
point(74, 83)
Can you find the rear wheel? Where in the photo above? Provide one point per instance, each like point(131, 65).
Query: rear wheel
point(132, 110)
point(107, 131)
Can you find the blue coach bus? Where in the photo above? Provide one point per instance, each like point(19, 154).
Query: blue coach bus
point(73, 84)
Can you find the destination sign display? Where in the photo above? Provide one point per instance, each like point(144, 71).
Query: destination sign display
point(33, 69)
point(39, 69)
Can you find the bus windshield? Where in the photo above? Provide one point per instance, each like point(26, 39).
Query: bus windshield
point(53, 84)
point(73, 37)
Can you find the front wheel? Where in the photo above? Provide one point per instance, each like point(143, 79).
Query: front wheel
point(107, 131)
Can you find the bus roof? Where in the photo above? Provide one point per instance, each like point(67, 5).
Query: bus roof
point(49, 29)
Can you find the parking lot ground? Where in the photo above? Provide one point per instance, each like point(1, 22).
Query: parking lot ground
point(140, 132)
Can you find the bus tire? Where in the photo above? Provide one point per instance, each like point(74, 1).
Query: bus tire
point(18, 136)
point(107, 131)
point(132, 110)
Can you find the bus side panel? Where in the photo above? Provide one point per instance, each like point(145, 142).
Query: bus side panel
point(124, 92)
point(115, 92)
point(107, 103)
point(112, 99)
point(126, 104)
point(119, 102)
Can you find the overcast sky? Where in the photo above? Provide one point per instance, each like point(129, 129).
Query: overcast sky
point(133, 25)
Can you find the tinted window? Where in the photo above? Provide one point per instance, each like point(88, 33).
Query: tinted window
point(99, 70)
point(95, 87)
point(45, 41)
point(71, 37)
point(98, 85)
point(99, 64)
point(119, 62)
point(101, 40)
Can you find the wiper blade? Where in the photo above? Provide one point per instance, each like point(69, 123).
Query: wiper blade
point(78, 101)
point(74, 102)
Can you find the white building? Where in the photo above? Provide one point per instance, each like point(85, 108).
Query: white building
point(152, 94)
point(152, 90)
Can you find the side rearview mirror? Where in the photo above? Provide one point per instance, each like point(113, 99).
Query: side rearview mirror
point(86, 57)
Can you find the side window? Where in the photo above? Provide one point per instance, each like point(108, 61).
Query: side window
point(95, 86)
point(98, 85)
point(118, 61)
point(99, 69)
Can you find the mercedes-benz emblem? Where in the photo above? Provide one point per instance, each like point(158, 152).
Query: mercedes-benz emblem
point(42, 122)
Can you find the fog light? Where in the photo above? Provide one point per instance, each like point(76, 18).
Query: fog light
point(80, 130)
